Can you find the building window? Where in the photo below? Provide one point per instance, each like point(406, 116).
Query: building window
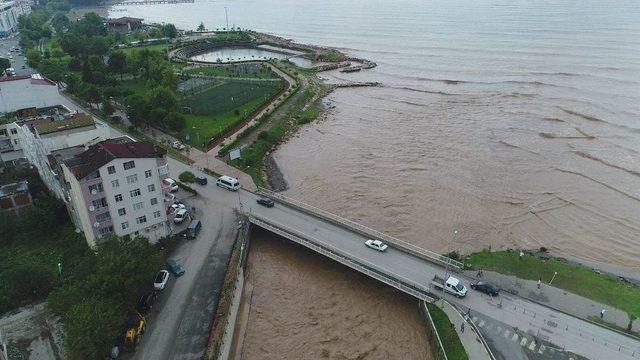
point(141, 220)
point(151, 188)
point(111, 169)
point(156, 214)
point(129, 165)
point(118, 197)
point(131, 179)
point(138, 206)
point(16, 141)
point(14, 131)
point(3, 132)
point(162, 170)
point(154, 201)
point(97, 188)
point(122, 212)
point(97, 204)
point(115, 183)
point(125, 225)
point(147, 174)
point(105, 231)
point(102, 217)
point(134, 193)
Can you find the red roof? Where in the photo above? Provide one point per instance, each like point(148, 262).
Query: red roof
point(124, 21)
point(102, 153)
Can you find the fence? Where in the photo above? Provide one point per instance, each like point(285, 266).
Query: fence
point(435, 343)
point(366, 231)
point(387, 277)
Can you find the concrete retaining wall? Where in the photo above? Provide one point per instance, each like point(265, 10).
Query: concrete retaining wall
point(227, 338)
point(435, 343)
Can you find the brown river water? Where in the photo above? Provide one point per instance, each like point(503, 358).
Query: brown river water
point(305, 306)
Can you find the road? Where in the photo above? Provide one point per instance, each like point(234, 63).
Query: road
point(549, 326)
point(18, 61)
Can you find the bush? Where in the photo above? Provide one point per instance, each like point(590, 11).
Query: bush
point(187, 188)
point(187, 177)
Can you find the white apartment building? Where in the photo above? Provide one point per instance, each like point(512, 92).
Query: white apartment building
point(8, 18)
point(115, 186)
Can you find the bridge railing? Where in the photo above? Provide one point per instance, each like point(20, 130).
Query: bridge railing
point(388, 277)
point(366, 231)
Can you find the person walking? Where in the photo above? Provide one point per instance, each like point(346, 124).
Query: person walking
point(462, 327)
point(602, 313)
point(539, 283)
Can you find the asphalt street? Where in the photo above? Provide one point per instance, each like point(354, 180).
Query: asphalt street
point(17, 61)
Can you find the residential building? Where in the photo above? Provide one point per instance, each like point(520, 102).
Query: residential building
point(28, 91)
point(115, 187)
point(124, 24)
point(8, 18)
point(22, 7)
point(15, 198)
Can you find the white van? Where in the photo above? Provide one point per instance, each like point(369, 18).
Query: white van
point(228, 183)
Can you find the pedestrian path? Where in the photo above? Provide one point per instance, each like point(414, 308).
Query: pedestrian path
point(559, 299)
point(470, 340)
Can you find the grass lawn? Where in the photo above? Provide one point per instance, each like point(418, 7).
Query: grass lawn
point(207, 127)
point(232, 71)
point(450, 340)
point(220, 99)
point(157, 47)
point(577, 279)
point(135, 86)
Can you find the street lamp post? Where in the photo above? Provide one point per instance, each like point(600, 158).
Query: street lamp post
point(554, 276)
point(60, 270)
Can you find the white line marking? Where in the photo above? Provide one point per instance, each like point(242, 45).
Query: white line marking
point(514, 337)
point(523, 342)
point(532, 345)
point(506, 334)
point(499, 330)
point(475, 319)
point(542, 349)
point(481, 324)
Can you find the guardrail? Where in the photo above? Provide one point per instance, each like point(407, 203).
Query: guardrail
point(395, 280)
point(356, 227)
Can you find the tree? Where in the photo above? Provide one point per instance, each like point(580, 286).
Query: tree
point(201, 27)
point(170, 31)
point(4, 64)
point(92, 94)
point(174, 121)
point(118, 62)
point(107, 107)
point(169, 78)
point(163, 98)
point(60, 22)
point(33, 57)
point(91, 327)
point(53, 69)
point(137, 108)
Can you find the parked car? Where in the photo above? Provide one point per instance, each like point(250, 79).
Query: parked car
point(161, 280)
point(485, 287)
point(180, 216)
point(193, 229)
point(376, 245)
point(177, 206)
point(177, 145)
point(175, 267)
point(171, 184)
point(170, 198)
point(202, 180)
point(145, 303)
point(265, 202)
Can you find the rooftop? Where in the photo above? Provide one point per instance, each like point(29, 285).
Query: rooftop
point(102, 153)
point(124, 21)
point(14, 188)
point(74, 122)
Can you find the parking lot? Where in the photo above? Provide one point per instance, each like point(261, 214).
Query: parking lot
point(17, 61)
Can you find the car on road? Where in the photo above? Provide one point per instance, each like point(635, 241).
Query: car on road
point(376, 245)
point(265, 202)
point(161, 280)
point(228, 183)
point(178, 145)
point(202, 180)
point(171, 184)
point(181, 215)
point(485, 287)
point(175, 267)
point(177, 206)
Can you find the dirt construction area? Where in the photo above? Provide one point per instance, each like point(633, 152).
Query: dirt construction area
point(31, 334)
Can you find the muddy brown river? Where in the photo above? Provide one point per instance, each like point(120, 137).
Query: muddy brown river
point(305, 306)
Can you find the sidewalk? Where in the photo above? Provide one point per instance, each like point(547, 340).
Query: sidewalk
point(558, 299)
point(470, 340)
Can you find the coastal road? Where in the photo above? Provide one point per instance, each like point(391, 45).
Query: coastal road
point(549, 326)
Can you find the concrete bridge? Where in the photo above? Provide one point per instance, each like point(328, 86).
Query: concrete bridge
point(410, 269)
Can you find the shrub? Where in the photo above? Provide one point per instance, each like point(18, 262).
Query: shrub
point(187, 177)
point(187, 188)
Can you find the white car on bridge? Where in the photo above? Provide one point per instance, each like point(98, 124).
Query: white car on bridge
point(376, 245)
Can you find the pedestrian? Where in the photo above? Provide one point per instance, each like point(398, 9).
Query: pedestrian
point(479, 273)
point(602, 313)
point(520, 255)
point(462, 327)
point(539, 283)
point(468, 313)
